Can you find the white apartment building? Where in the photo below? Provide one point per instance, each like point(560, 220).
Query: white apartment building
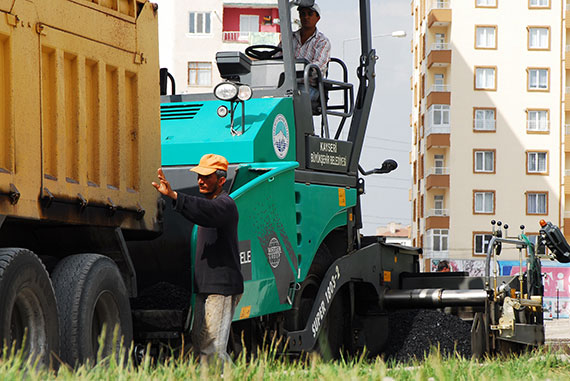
point(191, 32)
point(489, 122)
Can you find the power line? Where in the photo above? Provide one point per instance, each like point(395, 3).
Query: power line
point(386, 148)
point(385, 187)
point(388, 140)
point(396, 179)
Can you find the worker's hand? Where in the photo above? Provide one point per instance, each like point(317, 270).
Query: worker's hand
point(164, 186)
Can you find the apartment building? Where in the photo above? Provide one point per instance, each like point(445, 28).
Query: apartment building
point(191, 32)
point(488, 119)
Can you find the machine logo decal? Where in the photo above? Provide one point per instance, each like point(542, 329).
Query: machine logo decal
point(274, 252)
point(245, 259)
point(280, 136)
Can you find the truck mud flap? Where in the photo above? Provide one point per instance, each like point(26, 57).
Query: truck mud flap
point(363, 266)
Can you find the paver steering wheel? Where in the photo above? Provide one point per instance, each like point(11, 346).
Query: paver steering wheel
point(267, 52)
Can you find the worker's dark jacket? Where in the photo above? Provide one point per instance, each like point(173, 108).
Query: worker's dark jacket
point(217, 267)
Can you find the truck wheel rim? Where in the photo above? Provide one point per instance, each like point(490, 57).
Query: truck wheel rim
point(27, 323)
point(105, 318)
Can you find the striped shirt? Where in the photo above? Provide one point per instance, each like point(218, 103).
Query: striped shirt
point(316, 50)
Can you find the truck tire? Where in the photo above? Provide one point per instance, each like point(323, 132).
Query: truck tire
point(92, 300)
point(332, 334)
point(28, 314)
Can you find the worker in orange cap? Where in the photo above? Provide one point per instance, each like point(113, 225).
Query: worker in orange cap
point(218, 280)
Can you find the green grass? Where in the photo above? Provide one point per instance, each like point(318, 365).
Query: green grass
point(541, 364)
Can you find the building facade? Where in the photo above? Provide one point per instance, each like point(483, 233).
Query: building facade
point(192, 32)
point(488, 120)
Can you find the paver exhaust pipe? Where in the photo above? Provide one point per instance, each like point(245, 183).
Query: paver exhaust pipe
point(433, 298)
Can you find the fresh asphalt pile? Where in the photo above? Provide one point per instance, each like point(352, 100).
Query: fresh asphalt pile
point(413, 332)
point(162, 296)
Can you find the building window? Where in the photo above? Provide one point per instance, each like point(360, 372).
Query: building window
point(440, 42)
point(537, 163)
point(439, 239)
point(200, 23)
point(485, 78)
point(199, 73)
point(539, 3)
point(485, 37)
point(538, 79)
point(537, 121)
point(484, 119)
point(536, 203)
point(438, 116)
point(438, 205)
point(481, 243)
point(439, 164)
point(484, 161)
point(484, 202)
point(538, 38)
point(486, 3)
point(248, 24)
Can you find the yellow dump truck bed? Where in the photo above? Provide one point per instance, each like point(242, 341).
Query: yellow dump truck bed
point(79, 111)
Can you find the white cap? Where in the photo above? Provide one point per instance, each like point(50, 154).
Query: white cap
point(315, 8)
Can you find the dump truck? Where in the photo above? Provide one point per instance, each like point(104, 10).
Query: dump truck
point(87, 244)
point(79, 144)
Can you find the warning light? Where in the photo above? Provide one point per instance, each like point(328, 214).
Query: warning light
point(542, 223)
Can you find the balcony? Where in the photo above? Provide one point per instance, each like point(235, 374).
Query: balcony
point(439, 254)
point(567, 54)
point(437, 177)
point(251, 38)
point(438, 136)
point(437, 219)
point(567, 95)
point(439, 55)
point(567, 14)
point(438, 95)
point(567, 138)
point(439, 13)
point(567, 181)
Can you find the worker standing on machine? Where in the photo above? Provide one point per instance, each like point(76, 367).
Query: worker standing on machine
point(218, 280)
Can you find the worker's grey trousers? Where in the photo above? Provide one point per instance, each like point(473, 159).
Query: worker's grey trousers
point(211, 329)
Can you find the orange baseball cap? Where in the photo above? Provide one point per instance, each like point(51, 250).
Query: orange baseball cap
point(210, 163)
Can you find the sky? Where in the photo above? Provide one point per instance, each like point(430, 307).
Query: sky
point(389, 133)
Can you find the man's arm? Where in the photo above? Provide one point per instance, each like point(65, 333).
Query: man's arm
point(322, 55)
point(205, 212)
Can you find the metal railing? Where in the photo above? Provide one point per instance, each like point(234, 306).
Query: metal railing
point(568, 48)
point(438, 46)
point(567, 129)
point(236, 36)
point(438, 171)
point(438, 213)
point(567, 89)
point(484, 125)
point(438, 88)
point(537, 125)
point(258, 38)
point(567, 173)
